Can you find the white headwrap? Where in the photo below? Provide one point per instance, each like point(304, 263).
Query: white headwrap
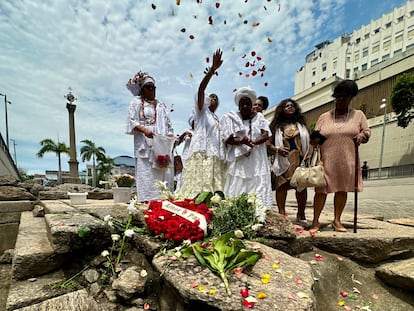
point(135, 84)
point(245, 92)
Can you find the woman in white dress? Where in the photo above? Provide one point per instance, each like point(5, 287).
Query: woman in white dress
point(245, 133)
point(147, 117)
point(205, 168)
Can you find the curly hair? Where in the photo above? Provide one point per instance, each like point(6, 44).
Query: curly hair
point(280, 119)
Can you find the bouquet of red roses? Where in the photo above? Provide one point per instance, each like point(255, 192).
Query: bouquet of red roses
point(178, 220)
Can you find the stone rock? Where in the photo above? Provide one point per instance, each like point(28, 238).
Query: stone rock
point(398, 274)
point(100, 194)
point(7, 256)
point(78, 300)
point(53, 194)
point(187, 276)
point(64, 232)
point(11, 193)
point(36, 188)
point(129, 283)
point(8, 180)
point(91, 275)
point(38, 211)
point(277, 227)
point(402, 221)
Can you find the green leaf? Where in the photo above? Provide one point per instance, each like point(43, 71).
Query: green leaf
point(83, 231)
point(204, 197)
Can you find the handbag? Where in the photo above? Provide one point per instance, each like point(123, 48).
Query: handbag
point(310, 173)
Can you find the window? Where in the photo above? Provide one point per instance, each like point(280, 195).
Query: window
point(366, 36)
point(313, 83)
point(386, 44)
point(412, 13)
point(324, 67)
point(364, 66)
point(400, 19)
point(348, 73)
point(388, 25)
point(375, 48)
point(410, 46)
point(374, 62)
point(357, 40)
point(365, 52)
point(355, 69)
point(313, 72)
point(410, 33)
point(398, 38)
point(385, 57)
point(356, 58)
point(334, 64)
point(376, 30)
point(397, 51)
point(323, 79)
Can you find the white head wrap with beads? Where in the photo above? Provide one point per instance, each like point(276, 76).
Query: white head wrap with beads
point(135, 84)
point(245, 92)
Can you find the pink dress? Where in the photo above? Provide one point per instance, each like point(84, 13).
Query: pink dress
point(338, 151)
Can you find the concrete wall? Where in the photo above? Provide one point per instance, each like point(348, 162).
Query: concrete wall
point(7, 166)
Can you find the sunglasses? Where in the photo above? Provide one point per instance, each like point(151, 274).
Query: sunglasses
point(149, 87)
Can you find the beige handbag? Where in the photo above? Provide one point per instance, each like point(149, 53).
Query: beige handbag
point(310, 173)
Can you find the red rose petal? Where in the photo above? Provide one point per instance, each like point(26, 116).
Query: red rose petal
point(244, 292)
point(191, 37)
point(217, 5)
point(248, 304)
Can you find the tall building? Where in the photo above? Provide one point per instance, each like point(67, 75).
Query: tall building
point(351, 55)
point(374, 56)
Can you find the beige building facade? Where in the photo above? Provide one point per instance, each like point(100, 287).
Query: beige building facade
point(332, 62)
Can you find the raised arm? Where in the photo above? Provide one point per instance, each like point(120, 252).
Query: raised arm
point(217, 61)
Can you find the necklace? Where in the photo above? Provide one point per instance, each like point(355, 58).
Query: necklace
point(290, 130)
point(149, 120)
point(341, 125)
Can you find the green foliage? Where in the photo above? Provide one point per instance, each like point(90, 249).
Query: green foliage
point(49, 145)
point(402, 99)
point(223, 254)
point(90, 150)
point(233, 214)
point(83, 231)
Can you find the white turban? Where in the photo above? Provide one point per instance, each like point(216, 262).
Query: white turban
point(245, 92)
point(135, 84)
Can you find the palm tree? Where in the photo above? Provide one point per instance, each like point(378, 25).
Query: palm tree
point(49, 145)
point(91, 151)
point(105, 166)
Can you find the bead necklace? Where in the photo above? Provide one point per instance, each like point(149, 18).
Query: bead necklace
point(149, 121)
point(343, 123)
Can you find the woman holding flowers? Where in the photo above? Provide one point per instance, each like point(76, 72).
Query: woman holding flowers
point(245, 133)
point(205, 167)
point(147, 116)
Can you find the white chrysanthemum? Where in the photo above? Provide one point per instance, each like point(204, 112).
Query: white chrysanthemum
point(132, 210)
point(239, 234)
point(129, 233)
point(143, 273)
point(105, 253)
point(216, 199)
point(115, 237)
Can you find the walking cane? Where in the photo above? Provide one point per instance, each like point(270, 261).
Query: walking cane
point(356, 186)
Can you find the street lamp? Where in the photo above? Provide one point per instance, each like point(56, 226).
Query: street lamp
point(7, 123)
point(383, 106)
point(14, 145)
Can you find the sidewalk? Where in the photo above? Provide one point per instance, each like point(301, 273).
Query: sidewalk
point(388, 198)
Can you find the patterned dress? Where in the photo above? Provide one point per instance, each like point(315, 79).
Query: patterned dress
point(338, 151)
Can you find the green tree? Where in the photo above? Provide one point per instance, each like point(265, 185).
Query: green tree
point(58, 148)
point(402, 99)
point(105, 166)
point(90, 150)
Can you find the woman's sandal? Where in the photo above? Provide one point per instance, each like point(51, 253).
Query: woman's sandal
point(338, 229)
point(314, 229)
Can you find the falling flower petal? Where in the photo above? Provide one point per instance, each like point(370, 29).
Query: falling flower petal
point(253, 53)
point(191, 37)
point(269, 39)
point(259, 58)
point(177, 2)
point(182, 29)
point(261, 295)
point(244, 55)
point(207, 59)
point(245, 22)
point(266, 84)
point(278, 8)
point(153, 6)
point(298, 280)
point(265, 8)
point(374, 296)
point(240, 73)
point(191, 76)
point(255, 24)
point(210, 20)
point(318, 257)
point(240, 16)
point(254, 72)
point(248, 304)
point(217, 5)
point(343, 294)
point(247, 64)
point(341, 303)
point(194, 284)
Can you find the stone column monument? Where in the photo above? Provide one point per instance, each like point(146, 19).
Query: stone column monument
point(73, 162)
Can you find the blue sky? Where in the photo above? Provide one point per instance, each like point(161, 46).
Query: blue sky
point(95, 46)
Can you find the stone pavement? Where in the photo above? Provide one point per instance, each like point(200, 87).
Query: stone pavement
point(384, 198)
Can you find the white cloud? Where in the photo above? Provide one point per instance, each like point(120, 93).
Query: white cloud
point(95, 46)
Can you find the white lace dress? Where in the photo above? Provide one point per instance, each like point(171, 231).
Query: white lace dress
point(248, 169)
point(155, 118)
